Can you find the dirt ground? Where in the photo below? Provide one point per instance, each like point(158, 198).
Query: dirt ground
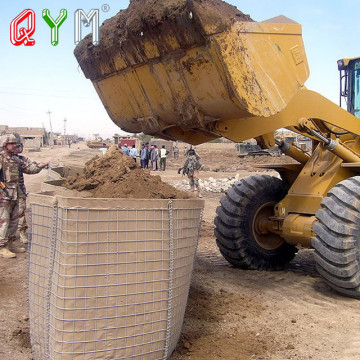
point(231, 313)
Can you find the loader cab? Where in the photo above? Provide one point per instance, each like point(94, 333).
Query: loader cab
point(350, 84)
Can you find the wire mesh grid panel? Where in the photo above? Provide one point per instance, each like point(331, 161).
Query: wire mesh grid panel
point(114, 281)
point(185, 237)
point(41, 225)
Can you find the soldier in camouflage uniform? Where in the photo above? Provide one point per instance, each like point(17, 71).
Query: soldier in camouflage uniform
point(12, 197)
point(22, 227)
point(191, 169)
point(176, 152)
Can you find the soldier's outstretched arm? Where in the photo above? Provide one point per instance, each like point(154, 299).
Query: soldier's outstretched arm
point(32, 167)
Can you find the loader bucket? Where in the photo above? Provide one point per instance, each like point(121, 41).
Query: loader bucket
point(170, 68)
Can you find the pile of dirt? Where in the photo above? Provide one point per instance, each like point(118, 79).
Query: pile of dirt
point(123, 36)
point(115, 175)
point(145, 14)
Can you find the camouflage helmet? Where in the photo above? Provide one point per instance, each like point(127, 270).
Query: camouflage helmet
point(18, 138)
point(19, 142)
point(7, 139)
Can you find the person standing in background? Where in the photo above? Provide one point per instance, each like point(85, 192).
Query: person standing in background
point(176, 152)
point(191, 168)
point(143, 155)
point(133, 152)
point(154, 157)
point(147, 158)
point(163, 155)
point(126, 150)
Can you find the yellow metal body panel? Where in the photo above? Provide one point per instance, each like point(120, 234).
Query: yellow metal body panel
point(265, 72)
point(321, 173)
point(252, 69)
point(288, 172)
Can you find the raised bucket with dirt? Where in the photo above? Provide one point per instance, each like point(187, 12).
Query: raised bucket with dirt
point(176, 68)
point(109, 278)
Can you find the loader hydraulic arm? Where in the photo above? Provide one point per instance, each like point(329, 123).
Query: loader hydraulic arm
point(305, 105)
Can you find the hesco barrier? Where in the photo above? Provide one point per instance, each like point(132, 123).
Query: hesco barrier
point(109, 278)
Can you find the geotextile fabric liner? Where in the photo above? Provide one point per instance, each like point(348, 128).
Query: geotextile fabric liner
point(62, 172)
point(109, 278)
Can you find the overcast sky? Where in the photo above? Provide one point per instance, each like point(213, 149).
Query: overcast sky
point(41, 78)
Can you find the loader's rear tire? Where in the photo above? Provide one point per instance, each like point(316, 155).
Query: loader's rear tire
point(337, 240)
point(244, 205)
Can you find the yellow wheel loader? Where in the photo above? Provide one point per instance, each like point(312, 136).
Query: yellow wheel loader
point(197, 70)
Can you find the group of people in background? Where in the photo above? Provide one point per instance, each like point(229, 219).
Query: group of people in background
point(149, 155)
point(155, 159)
point(130, 151)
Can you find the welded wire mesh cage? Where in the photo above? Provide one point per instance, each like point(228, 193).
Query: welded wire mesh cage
point(109, 278)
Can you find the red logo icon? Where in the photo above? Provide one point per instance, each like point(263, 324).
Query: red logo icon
point(23, 35)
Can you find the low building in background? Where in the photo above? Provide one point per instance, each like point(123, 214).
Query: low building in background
point(32, 137)
point(121, 140)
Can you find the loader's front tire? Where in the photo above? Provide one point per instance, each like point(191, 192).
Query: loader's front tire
point(337, 240)
point(244, 205)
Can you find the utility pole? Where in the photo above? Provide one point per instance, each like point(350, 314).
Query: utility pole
point(65, 131)
point(49, 113)
point(51, 137)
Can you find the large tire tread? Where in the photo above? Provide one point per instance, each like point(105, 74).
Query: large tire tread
point(228, 218)
point(332, 239)
point(346, 271)
point(336, 244)
point(232, 229)
point(348, 215)
point(332, 254)
point(229, 231)
point(346, 283)
point(335, 224)
point(225, 242)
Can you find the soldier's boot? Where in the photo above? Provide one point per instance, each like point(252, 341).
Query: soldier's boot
point(199, 193)
point(19, 249)
point(15, 249)
point(23, 237)
point(6, 253)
